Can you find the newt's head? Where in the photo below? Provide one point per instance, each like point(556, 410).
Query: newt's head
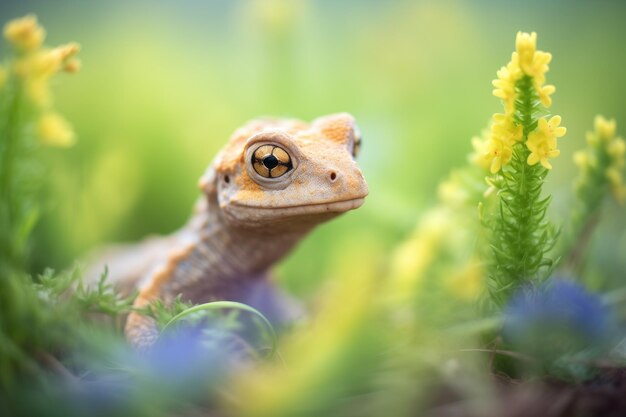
point(277, 171)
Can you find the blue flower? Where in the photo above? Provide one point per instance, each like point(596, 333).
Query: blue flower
point(557, 319)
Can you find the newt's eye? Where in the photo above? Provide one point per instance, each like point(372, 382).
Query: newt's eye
point(271, 161)
point(356, 146)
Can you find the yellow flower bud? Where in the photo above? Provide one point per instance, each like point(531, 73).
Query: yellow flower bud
point(616, 182)
point(45, 64)
point(466, 283)
point(542, 142)
point(39, 93)
point(67, 51)
point(592, 138)
point(616, 149)
point(37, 65)
point(614, 176)
point(604, 128)
point(505, 83)
point(452, 193)
point(480, 156)
point(544, 93)
point(72, 66)
point(54, 130)
point(581, 159)
point(619, 193)
point(25, 33)
point(526, 45)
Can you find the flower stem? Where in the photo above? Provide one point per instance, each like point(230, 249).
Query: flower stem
point(522, 237)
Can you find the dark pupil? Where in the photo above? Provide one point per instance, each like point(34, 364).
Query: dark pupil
point(270, 161)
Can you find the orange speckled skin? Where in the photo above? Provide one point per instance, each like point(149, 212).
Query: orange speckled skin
point(246, 223)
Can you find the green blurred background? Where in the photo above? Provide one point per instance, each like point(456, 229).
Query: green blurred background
point(165, 83)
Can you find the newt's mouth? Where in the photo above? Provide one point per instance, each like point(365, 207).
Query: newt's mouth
point(303, 209)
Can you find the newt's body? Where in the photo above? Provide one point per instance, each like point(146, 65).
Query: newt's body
point(269, 186)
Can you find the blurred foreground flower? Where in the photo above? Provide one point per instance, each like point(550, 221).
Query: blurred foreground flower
point(439, 254)
point(54, 130)
point(326, 359)
point(190, 355)
point(181, 371)
point(558, 321)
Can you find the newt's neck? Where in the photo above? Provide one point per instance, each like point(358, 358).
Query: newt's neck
point(219, 257)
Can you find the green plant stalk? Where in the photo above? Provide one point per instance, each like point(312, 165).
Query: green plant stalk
point(522, 237)
point(19, 176)
point(14, 296)
point(9, 206)
point(221, 305)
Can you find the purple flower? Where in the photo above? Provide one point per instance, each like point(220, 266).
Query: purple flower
point(189, 355)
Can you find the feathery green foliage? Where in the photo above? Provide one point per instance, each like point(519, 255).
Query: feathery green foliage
point(521, 236)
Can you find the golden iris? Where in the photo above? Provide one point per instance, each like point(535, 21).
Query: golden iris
point(271, 161)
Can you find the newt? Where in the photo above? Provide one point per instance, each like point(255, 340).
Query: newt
point(269, 186)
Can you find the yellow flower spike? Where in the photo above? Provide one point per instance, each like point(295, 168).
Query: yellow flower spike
point(605, 129)
point(526, 60)
point(25, 33)
point(54, 130)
